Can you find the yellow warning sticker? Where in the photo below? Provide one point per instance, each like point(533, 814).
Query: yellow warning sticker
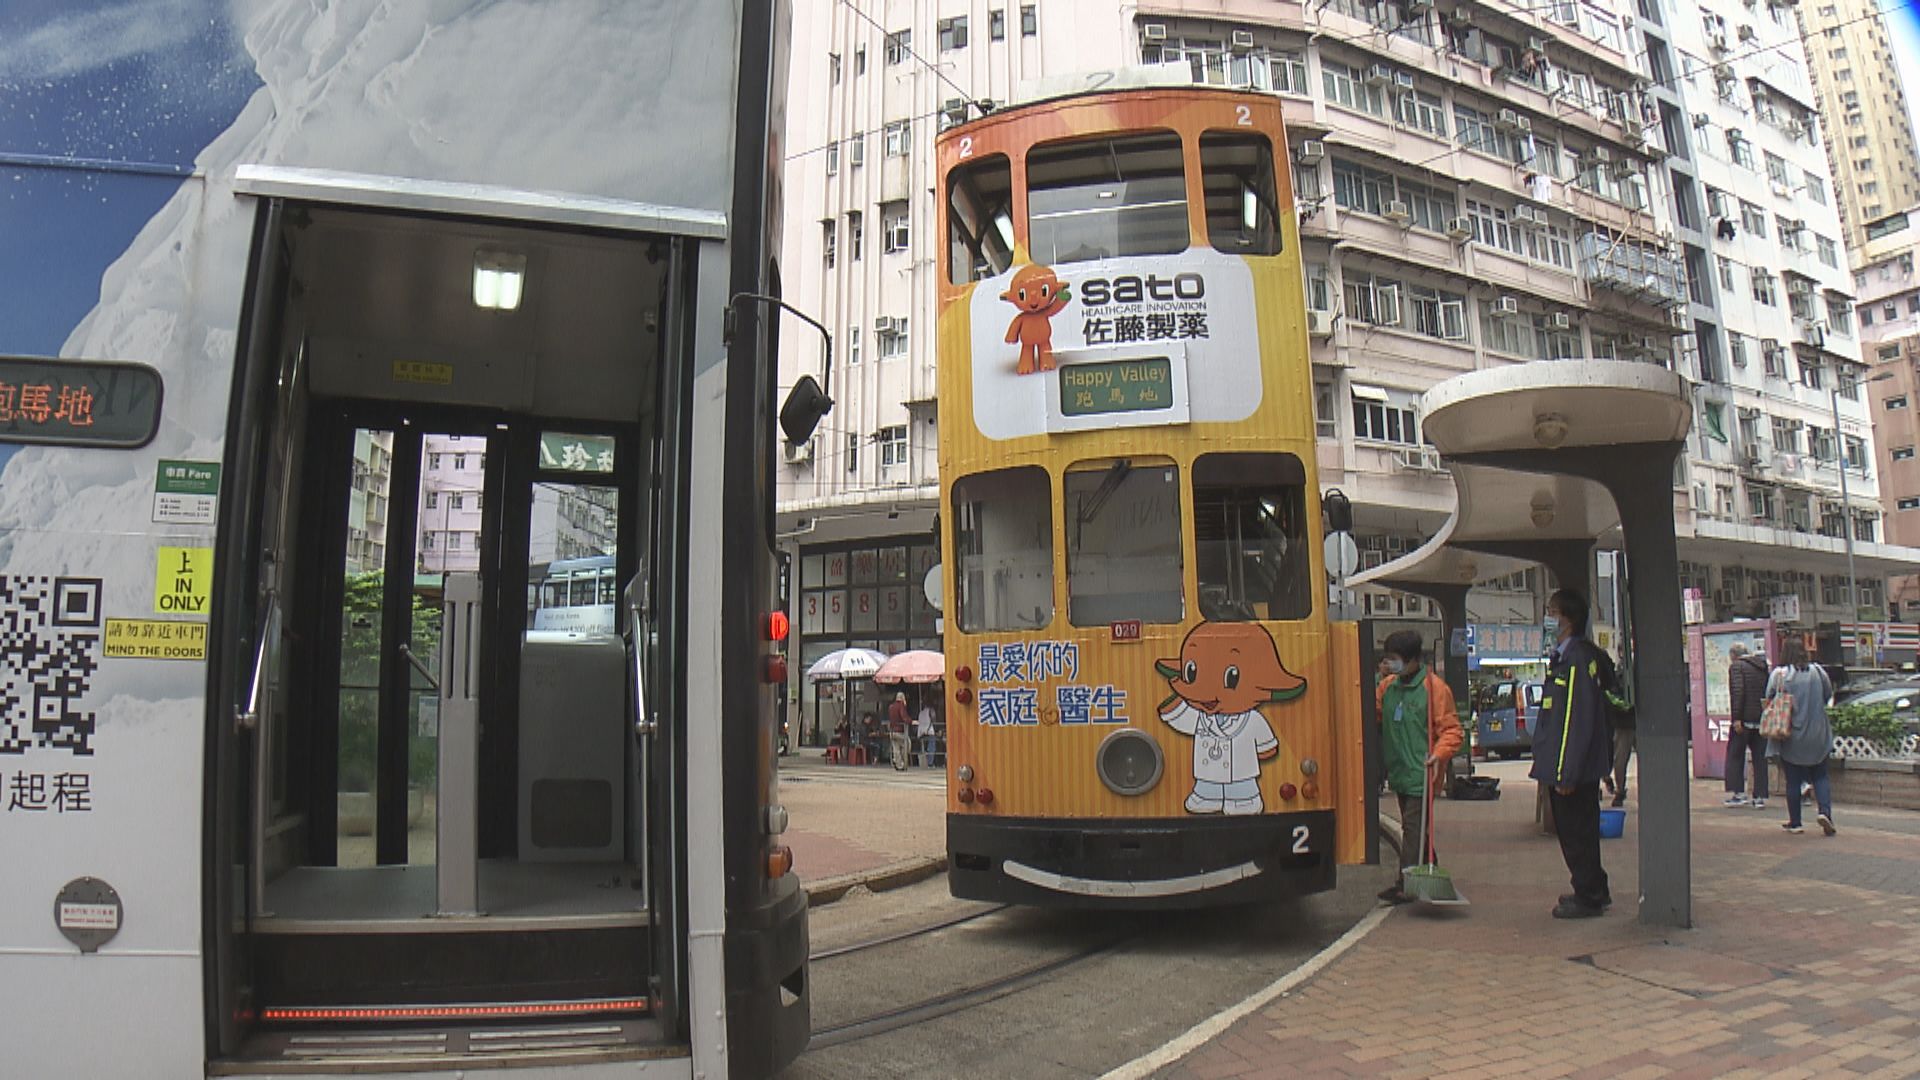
point(156, 639)
point(182, 580)
point(423, 372)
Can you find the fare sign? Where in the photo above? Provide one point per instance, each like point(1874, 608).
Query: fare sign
point(1116, 386)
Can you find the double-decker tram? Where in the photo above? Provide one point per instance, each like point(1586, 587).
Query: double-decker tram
point(388, 681)
point(1147, 704)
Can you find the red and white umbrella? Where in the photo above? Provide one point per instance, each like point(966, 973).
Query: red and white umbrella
point(912, 666)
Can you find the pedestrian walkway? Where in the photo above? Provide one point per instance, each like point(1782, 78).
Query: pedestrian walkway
point(849, 822)
point(1805, 962)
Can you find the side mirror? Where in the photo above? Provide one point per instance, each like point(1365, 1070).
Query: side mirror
point(805, 407)
point(1336, 513)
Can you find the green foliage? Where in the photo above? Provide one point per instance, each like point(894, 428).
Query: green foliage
point(1874, 723)
point(360, 623)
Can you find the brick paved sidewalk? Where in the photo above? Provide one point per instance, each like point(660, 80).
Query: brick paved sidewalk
point(852, 820)
point(1805, 963)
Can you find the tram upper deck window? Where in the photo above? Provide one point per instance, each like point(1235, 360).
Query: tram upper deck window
point(1003, 522)
point(1243, 206)
point(1106, 197)
point(979, 219)
point(1123, 544)
point(1250, 537)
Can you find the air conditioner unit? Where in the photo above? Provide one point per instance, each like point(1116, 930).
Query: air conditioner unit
point(1782, 190)
point(1379, 75)
point(1752, 456)
point(1813, 334)
point(1602, 154)
point(1529, 215)
point(796, 453)
point(1509, 120)
point(1153, 31)
point(1701, 120)
point(1635, 126)
point(1403, 79)
point(1504, 305)
point(885, 324)
point(1717, 41)
point(1459, 228)
point(1677, 318)
point(1242, 40)
point(1560, 320)
point(1536, 44)
point(1310, 152)
point(1746, 33)
point(1524, 125)
point(1319, 323)
point(1796, 129)
point(1622, 169)
point(1397, 212)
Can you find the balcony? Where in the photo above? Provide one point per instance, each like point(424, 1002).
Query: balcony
point(1632, 271)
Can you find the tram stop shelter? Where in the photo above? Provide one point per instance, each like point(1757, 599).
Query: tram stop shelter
point(1547, 459)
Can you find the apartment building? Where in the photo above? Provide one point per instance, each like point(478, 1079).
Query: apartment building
point(1889, 308)
point(1869, 131)
point(1478, 184)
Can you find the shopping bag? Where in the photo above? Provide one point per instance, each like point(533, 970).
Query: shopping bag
point(1776, 720)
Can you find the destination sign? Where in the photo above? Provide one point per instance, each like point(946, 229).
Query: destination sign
point(1116, 386)
point(78, 402)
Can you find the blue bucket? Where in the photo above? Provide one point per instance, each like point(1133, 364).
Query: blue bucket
point(1612, 824)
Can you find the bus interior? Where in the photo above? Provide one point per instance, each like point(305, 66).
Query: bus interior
point(449, 802)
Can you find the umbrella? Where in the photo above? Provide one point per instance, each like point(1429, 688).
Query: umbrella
point(912, 666)
point(846, 664)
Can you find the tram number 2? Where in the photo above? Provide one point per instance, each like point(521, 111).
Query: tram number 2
point(1300, 837)
point(1243, 116)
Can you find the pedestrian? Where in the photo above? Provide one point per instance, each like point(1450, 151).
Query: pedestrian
point(1572, 750)
point(925, 728)
point(1420, 733)
point(1747, 681)
point(899, 728)
point(1624, 734)
point(1804, 752)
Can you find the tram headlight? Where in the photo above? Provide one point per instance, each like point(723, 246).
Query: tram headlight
point(964, 774)
point(1129, 762)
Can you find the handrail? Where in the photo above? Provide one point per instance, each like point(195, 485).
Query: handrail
point(426, 673)
point(643, 722)
point(249, 718)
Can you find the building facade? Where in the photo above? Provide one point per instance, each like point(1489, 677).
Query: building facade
point(1478, 184)
point(1889, 291)
point(1869, 130)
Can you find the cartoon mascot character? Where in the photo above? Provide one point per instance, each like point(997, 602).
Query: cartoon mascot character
point(1039, 296)
point(1224, 674)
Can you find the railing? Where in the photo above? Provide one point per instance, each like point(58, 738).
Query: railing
point(1633, 270)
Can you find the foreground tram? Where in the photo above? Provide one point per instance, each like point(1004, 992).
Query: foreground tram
point(323, 337)
point(1147, 705)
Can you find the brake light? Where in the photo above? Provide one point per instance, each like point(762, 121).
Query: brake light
point(775, 669)
point(963, 695)
point(985, 795)
point(778, 626)
point(963, 673)
point(1288, 791)
point(965, 795)
point(779, 861)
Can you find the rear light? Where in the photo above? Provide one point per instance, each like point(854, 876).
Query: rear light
point(963, 673)
point(1288, 792)
point(1310, 789)
point(779, 861)
point(775, 669)
point(965, 796)
point(985, 795)
point(963, 695)
point(778, 626)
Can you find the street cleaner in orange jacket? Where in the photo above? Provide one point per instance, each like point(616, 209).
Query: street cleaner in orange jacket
point(1573, 749)
point(1420, 733)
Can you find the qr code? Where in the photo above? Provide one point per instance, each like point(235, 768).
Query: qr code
point(50, 634)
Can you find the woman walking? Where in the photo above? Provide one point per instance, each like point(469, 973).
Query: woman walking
point(1809, 742)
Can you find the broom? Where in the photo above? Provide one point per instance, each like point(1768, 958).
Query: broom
point(1427, 882)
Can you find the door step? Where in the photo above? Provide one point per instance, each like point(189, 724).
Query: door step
point(363, 1048)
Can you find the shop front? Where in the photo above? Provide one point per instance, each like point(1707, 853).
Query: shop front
point(867, 594)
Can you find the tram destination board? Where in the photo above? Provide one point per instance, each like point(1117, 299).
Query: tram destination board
point(78, 402)
point(1116, 386)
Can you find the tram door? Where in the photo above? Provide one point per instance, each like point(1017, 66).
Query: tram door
point(451, 796)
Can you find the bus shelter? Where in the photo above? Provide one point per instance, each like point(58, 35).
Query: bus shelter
point(1549, 459)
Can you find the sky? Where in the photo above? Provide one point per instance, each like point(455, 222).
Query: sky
point(1903, 30)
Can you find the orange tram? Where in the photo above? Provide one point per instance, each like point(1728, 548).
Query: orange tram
point(1147, 704)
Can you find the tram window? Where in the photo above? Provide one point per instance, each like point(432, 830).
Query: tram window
point(1123, 544)
point(1003, 534)
point(979, 220)
point(1250, 537)
point(1243, 206)
point(1106, 197)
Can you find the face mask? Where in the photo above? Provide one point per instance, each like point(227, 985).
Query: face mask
point(1396, 666)
point(1552, 626)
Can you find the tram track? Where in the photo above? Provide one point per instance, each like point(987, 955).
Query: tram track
point(905, 935)
point(958, 1000)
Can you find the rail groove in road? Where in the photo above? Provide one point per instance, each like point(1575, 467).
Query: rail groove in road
point(861, 946)
point(954, 1000)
